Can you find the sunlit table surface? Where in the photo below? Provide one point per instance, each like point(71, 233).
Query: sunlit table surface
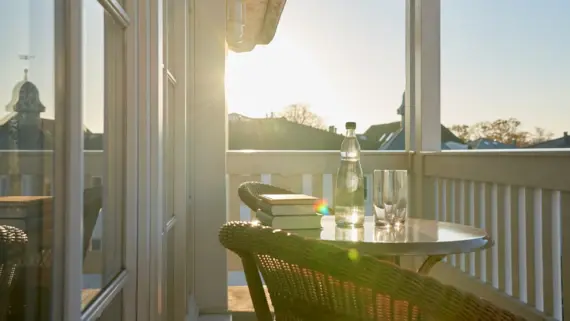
point(417, 237)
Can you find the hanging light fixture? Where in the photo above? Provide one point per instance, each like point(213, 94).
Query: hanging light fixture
point(235, 28)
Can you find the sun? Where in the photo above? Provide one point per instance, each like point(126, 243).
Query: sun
point(270, 78)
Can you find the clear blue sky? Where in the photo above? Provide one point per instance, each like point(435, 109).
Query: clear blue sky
point(500, 58)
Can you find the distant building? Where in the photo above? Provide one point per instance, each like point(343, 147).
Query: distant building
point(484, 143)
point(277, 133)
point(392, 136)
point(561, 142)
point(23, 129)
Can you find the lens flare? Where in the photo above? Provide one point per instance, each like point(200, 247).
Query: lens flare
point(322, 207)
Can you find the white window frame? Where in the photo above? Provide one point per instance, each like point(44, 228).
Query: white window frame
point(69, 161)
point(422, 96)
point(207, 119)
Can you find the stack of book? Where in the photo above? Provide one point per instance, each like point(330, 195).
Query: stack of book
point(289, 212)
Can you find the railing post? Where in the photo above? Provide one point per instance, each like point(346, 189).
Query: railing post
point(422, 98)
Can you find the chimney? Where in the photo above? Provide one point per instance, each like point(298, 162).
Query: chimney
point(332, 129)
point(566, 138)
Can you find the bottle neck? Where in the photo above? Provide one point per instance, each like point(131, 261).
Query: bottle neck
point(350, 133)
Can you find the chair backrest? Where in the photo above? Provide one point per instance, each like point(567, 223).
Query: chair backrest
point(308, 279)
point(12, 253)
point(249, 193)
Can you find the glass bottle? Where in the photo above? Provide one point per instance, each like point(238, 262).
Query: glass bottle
point(349, 197)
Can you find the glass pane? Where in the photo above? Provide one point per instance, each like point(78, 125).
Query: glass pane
point(26, 158)
point(103, 107)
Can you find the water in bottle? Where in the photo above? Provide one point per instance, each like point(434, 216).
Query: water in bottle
point(349, 196)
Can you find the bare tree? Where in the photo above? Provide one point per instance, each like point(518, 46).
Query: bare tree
point(502, 130)
point(462, 131)
point(301, 114)
point(540, 135)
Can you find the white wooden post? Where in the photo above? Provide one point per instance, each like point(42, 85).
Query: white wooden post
point(207, 155)
point(422, 98)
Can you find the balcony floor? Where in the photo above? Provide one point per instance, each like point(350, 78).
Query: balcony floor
point(240, 305)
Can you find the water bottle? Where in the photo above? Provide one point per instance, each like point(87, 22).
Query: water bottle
point(349, 197)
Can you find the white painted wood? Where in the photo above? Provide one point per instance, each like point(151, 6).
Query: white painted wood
point(481, 213)
point(193, 312)
point(462, 205)
point(328, 188)
point(522, 244)
point(266, 179)
point(129, 292)
point(450, 208)
point(449, 275)
point(502, 167)
point(308, 162)
point(208, 125)
point(556, 255)
point(178, 54)
point(537, 243)
point(308, 184)
point(422, 100)
point(145, 189)
point(69, 166)
point(565, 226)
point(494, 231)
point(471, 198)
point(156, 160)
point(508, 268)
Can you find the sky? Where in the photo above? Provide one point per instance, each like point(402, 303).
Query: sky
point(27, 28)
point(346, 60)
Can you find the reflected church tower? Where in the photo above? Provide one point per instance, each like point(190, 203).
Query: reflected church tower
point(23, 132)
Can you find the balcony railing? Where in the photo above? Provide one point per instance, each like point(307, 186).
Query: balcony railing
point(521, 198)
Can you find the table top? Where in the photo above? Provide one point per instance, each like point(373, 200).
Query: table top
point(22, 199)
point(416, 237)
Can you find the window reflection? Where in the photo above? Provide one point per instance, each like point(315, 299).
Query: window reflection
point(26, 159)
point(103, 110)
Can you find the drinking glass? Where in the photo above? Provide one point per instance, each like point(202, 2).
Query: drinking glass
point(390, 197)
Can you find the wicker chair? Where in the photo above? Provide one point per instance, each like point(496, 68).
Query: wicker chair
point(92, 203)
point(249, 193)
point(311, 280)
point(12, 252)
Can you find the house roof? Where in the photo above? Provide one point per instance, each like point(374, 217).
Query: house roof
point(483, 143)
point(560, 142)
point(381, 133)
point(281, 134)
point(391, 136)
point(259, 27)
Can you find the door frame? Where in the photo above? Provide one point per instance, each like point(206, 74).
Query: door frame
point(69, 161)
point(151, 176)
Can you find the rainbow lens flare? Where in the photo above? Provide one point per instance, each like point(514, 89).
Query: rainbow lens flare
point(322, 207)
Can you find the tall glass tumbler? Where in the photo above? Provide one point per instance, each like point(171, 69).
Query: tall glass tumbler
point(390, 197)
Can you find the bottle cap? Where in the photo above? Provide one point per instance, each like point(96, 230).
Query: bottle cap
point(350, 125)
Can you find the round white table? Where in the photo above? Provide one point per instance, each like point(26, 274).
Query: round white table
point(417, 237)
